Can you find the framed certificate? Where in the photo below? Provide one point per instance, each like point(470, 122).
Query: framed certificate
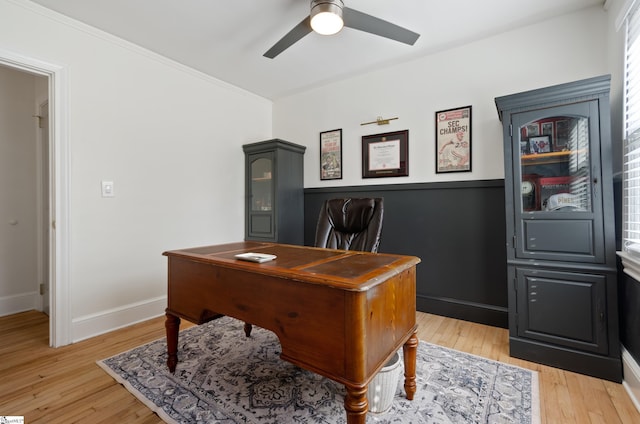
point(385, 155)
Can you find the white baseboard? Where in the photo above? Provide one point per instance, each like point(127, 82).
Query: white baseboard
point(113, 319)
point(631, 381)
point(19, 303)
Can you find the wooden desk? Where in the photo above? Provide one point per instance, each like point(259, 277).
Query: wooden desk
point(341, 314)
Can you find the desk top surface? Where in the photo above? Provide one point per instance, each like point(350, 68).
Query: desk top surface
point(348, 270)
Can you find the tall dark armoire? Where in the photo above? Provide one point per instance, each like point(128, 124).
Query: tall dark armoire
point(561, 259)
point(274, 204)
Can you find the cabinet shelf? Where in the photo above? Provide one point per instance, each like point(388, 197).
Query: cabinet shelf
point(546, 158)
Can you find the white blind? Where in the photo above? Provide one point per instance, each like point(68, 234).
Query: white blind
point(579, 161)
point(631, 160)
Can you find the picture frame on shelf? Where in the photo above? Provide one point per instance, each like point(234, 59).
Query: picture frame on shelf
point(453, 140)
point(546, 128)
point(385, 155)
point(533, 129)
point(540, 144)
point(561, 139)
point(331, 155)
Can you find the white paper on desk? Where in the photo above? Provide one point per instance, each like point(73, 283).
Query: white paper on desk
point(255, 257)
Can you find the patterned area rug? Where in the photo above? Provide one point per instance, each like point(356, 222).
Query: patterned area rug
point(224, 377)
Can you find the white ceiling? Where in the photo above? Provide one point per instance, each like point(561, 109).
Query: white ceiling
point(226, 39)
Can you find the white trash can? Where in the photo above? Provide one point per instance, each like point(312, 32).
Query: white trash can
point(382, 389)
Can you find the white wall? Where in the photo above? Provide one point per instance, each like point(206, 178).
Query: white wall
point(170, 139)
point(562, 49)
point(18, 207)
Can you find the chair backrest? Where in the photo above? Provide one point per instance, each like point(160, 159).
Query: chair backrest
point(350, 224)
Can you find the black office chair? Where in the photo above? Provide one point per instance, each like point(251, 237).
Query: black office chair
point(350, 224)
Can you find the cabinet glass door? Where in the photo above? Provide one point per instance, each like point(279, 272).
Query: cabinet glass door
point(556, 183)
point(261, 184)
point(555, 163)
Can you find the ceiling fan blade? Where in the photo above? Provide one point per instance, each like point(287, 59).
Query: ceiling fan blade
point(367, 23)
point(293, 36)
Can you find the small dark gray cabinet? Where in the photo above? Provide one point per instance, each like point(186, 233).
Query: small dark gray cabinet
point(274, 184)
point(561, 262)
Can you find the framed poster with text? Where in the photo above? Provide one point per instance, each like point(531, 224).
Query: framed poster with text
point(331, 155)
point(453, 140)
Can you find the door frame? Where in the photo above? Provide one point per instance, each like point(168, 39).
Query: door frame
point(59, 191)
point(43, 193)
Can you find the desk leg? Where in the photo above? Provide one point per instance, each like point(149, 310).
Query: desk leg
point(356, 405)
point(172, 325)
point(409, 351)
point(247, 329)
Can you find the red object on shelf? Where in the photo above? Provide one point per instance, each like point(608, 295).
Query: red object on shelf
point(553, 185)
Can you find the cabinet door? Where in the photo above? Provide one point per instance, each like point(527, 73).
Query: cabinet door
point(556, 183)
point(260, 219)
point(562, 308)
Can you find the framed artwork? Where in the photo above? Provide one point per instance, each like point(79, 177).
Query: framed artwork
point(331, 155)
point(385, 155)
point(453, 140)
point(540, 144)
point(546, 128)
point(562, 135)
point(533, 129)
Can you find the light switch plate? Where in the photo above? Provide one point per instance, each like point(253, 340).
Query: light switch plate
point(107, 189)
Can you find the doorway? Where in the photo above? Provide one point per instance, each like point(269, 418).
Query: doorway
point(24, 190)
point(53, 195)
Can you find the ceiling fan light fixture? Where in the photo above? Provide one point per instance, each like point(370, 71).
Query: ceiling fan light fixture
point(326, 16)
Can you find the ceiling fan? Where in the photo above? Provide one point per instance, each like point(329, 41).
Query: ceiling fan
point(329, 16)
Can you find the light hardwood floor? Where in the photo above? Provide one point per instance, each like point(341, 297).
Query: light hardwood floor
point(65, 385)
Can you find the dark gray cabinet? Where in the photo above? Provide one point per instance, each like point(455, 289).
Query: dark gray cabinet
point(561, 262)
point(562, 308)
point(274, 203)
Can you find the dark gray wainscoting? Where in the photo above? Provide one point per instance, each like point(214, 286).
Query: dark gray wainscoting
point(628, 288)
point(456, 228)
point(629, 299)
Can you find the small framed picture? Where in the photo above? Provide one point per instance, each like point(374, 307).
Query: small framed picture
point(385, 155)
point(453, 140)
point(540, 144)
point(562, 135)
point(331, 155)
point(533, 129)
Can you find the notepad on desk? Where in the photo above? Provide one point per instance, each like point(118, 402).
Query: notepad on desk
point(255, 257)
